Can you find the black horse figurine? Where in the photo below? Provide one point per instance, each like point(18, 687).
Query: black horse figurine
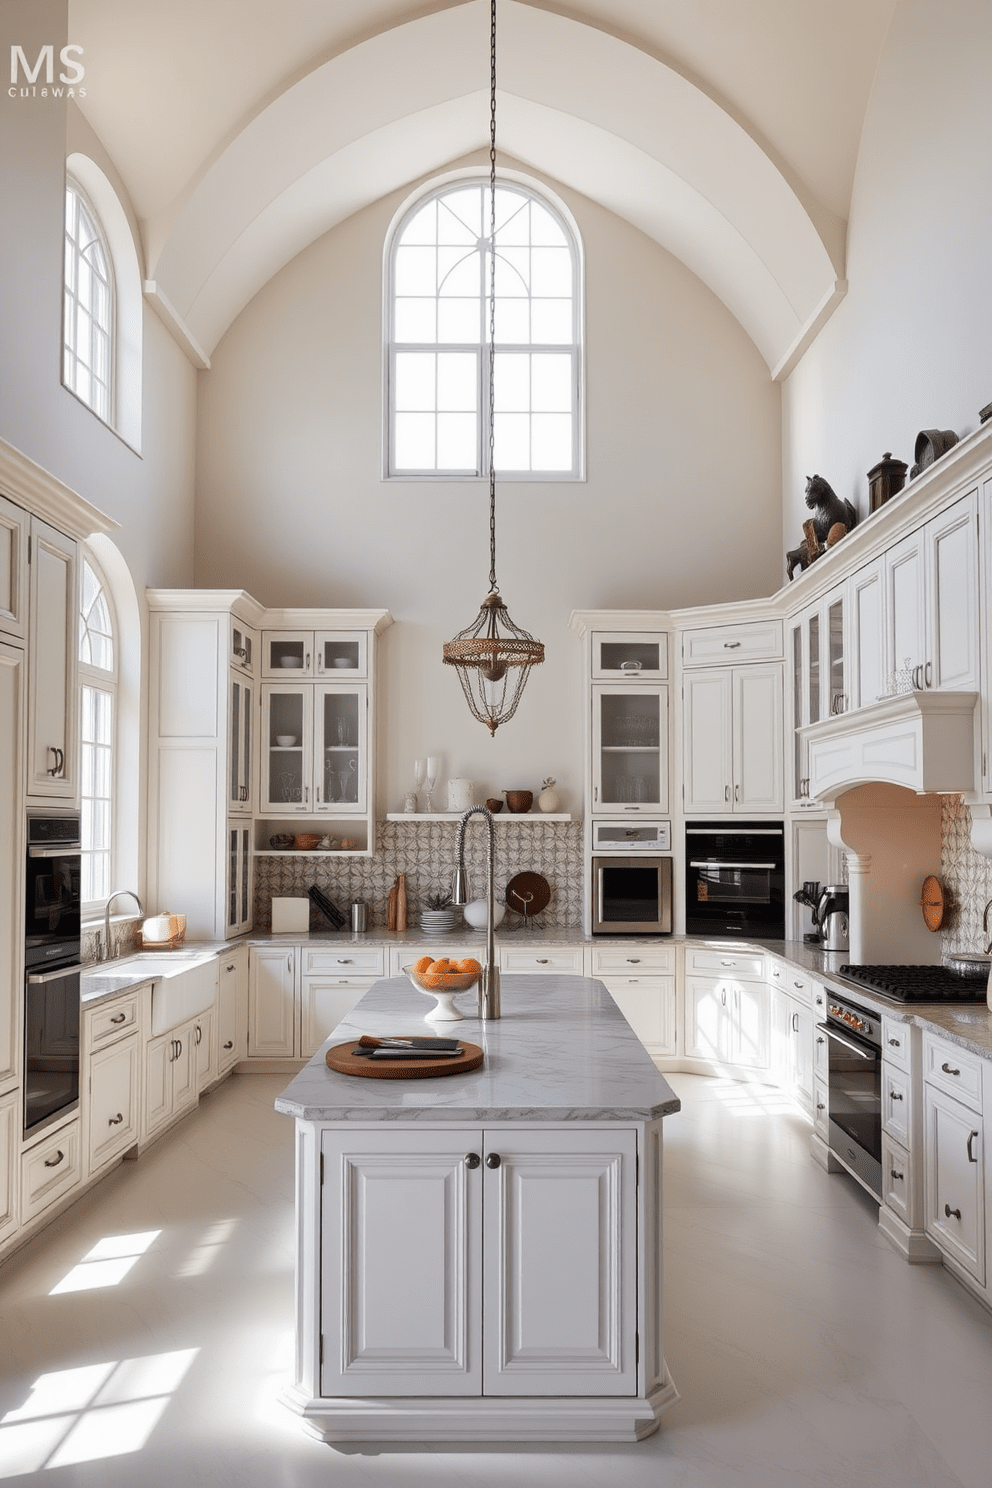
point(829, 511)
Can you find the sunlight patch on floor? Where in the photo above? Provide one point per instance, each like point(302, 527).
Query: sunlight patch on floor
point(107, 1263)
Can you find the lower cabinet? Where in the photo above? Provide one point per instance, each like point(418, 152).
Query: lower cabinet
point(728, 1022)
point(512, 1273)
point(641, 981)
point(204, 1050)
point(10, 1120)
point(792, 1047)
point(272, 983)
point(50, 1169)
point(170, 1077)
point(332, 982)
point(113, 1116)
point(231, 1015)
point(955, 1180)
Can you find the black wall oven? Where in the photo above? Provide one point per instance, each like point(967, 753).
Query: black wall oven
point(735, 879)
point(854, 1098)
point(51, 970)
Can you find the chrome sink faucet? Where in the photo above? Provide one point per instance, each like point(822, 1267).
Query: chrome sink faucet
point(117, 894)
point(985, 929)
point(489, 981)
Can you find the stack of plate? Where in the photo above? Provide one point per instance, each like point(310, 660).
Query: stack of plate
point(437, 921)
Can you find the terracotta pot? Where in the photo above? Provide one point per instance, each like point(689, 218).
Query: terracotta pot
point(519, 802)
point(493, 805)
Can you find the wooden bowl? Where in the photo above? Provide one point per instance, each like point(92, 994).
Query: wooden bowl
point(493, 805)
point(519, 802)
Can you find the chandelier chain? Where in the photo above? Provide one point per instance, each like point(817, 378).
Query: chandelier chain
point(493, 586)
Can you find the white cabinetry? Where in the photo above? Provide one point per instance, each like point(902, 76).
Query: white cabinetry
point(641, 981)
point(315, 653)
point(53, 740)
point(792, 1022)
point(727, 1011)
point(513, 1272)
point(315, 748)
point(113, 1110)
point(332, 982)
point(819, 682)
point(954, 1151)
point(931, 589)
point(273, 978)
point(10, 1121)
point(170, 1077)
point(732, 740)
point(866, 607)
point(50, 1169)
point(629, 749)
point(14, 523)
point(12, 733)
point(231, 1018)
point(200, 761)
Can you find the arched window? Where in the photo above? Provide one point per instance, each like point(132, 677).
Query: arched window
point(438, 364)
point(97, 734)
point(88, 307)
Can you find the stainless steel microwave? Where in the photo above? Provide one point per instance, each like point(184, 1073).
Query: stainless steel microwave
point(631, 895)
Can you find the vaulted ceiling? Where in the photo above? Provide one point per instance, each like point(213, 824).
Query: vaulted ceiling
point(728, 130)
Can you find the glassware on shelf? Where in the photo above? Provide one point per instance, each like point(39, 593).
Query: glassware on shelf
point(419, 770)
point(430, 780)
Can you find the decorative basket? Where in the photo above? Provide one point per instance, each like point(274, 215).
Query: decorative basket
point(307, 841)
point(162, 945)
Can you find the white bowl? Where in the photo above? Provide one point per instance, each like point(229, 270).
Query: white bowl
point(285, 740)
point(476, 914)
point(291, 661)
point(342, 661)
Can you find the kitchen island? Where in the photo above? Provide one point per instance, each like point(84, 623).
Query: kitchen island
point(480, 1255)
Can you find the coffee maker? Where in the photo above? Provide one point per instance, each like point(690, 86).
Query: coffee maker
point(831, 916)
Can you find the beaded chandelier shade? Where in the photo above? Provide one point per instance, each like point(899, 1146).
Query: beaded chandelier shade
point(493, 656)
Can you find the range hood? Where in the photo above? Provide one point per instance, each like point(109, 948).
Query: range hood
point(922, 741)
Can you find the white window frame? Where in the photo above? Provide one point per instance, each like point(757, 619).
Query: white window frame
point(102, 680)
point(440, 187)
point(105, 326)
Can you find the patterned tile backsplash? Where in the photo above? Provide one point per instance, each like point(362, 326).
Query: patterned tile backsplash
point(425, 852)
point(966, 876)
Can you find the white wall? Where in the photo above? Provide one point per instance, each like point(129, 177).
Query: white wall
point(909, 347)
point(681, 505)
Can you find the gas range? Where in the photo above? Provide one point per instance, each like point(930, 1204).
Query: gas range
point(918, 983)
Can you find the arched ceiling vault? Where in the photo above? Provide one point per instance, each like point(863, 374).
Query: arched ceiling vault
point(583, 107)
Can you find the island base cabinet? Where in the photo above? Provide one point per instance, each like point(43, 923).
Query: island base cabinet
point(513, 1276)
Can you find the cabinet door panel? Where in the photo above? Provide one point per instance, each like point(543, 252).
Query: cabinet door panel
point(953, 556)
point(955, 1188)
point(113, 1113)
point(232, 1009)
point(271, 1003)
point(905, 591)
point(706, 1019)
point(750, 1033)
point(758, 734)
point(11, 859)
point(401, 1305)
point(10, 1126)
point(648, 1004)
point(630, 749)
point(560, 1263)
point(13, 568)
point(53, 768)
point(708, 741)
point(158, 1083)
point(867, 666)
point(324, 1002)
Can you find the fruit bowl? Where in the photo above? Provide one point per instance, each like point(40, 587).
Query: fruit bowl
point(443, 985)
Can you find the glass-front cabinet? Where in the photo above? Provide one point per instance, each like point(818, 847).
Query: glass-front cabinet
point(819, 683)
point(238, 878)
point(629, 750)
point(309, 653)
point(239, 744)
point(630, 655)
point(314, 749)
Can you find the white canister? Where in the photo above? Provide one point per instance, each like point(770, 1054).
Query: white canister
point(461, 794)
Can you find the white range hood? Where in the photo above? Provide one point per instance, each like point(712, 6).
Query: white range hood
point(922, 741)
point(880, 772)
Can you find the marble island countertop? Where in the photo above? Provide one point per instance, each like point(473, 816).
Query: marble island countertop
point(562, 1051)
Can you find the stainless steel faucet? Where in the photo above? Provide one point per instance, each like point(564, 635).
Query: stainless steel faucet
point(489, 981)
point(985, 929)
point(117, 894)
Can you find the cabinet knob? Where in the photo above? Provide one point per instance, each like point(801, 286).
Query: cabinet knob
point(899, 1177)
point(820, 1106)
point(493, 1160)
point(115, 1120)
point(896, 1094)
point(473, 1160)
point(231, 967)
point(950, 1213)
point(229, 1044)
point(894, 1043)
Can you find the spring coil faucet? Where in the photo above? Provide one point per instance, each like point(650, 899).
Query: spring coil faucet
point(489, 981)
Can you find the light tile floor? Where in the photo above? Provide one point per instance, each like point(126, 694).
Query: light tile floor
point(145, 1335)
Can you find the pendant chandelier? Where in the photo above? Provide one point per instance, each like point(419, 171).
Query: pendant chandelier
point(493, 656)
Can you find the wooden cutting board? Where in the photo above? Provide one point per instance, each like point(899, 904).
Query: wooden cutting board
point(348, 1059)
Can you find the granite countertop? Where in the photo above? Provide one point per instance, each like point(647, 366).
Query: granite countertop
point(562, 1051)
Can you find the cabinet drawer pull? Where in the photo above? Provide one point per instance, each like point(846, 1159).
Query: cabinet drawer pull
point(731, 645)
point(344, 960)
point(541, 960)
point(947, 1069)
point(971, 1154)
point(727, 963)
point(895, 1094)
point(473, 1160)
point(820, 1106)
point(726, 792)
point(795, 1022)
point(229, 1044)
point(950, 1213)
point(895, 1043)
point(820, 1039)
point(53, 1162)
point(634, 960)
point(800, 985)
point(231, 967)
point(119, 1018)
point(493, 1160)
point(199, 1034)
point(899, 1177)
point(115, 1120)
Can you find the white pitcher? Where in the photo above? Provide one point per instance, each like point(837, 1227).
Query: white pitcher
point(461, 794)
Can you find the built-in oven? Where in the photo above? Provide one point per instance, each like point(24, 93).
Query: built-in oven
point(631, 894)
point(735, 879)
point(51, 969)
point(854, 1098)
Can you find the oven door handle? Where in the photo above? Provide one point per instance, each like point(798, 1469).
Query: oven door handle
point(871, 1054)
point(34, 977)
point(714, 863)
point(55, 852)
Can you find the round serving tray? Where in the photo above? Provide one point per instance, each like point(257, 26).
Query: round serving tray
point(348, 1059)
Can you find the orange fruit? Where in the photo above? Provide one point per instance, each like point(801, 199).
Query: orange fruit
point(442, 964)
point(468, 964)
point(421, 964)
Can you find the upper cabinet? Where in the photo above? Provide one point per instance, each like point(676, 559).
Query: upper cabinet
point(315, 754)
point(819, 681)
point(322, 653)
point(732, 731)
point(629, 749)
point(931, 593)
point(629, 656)
point(14, 523)
point(53, 740)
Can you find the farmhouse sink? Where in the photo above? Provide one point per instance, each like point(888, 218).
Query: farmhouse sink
point(184, 983)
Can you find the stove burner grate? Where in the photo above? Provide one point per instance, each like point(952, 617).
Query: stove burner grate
point(918, 983)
